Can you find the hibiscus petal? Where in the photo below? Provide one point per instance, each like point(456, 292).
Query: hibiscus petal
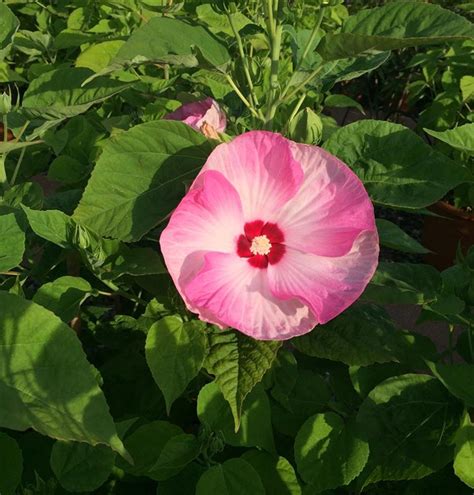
point(209, 218)
point(330, 210)
point(228, 291)
point(261, 167)
point(327, 284)
point(197, 113)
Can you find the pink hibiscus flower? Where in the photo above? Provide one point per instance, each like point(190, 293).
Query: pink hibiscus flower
point(273, 237)
point(204, 116)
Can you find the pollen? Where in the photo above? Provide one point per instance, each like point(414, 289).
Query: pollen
point(260, 245)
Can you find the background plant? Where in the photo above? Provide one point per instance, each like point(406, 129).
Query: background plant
point(100, 361)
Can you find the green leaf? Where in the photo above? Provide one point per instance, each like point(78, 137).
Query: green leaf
point(396, 166)
point(409, 420)
point(156, 158)
point(46, 382)
point(175, 352)
point(461, 138)
point(457, 378)
point(467, 87)
point(342, 101)
point(233, 477)
point(172, 41)
point(63, 296)
point(276, 473)
point(11, 458)
point(27, 193)
point(392, 236)
point(8, 27)
point(310, 395)
point(184, 482)
point(62, 93)
point(159, 450)
point(350, 68)
point(464, 452)
point(284, 375)
point(238, 362)
point(404, 283)
point(365, 378)
point(135, 261)
point(80, 467)
point(219, 23)
point(52, 225)
point(395, 25)
point(67, 170)
point(177, 453)
point(12, 245)
point(255, 423)
point(328, 452)
point(98, 56)
point(361, 335)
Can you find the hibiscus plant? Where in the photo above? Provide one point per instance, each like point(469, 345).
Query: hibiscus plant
point(206, 271)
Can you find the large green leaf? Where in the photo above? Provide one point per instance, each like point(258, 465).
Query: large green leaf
point(99, 55)
point(156, 159)
point(392, 236)
point(52, 225)
point(175, 352)
point(328, 452)
point(219, 23)
point(173, 41)
point(178, 452)
point(350, 68)
point(160, 450)
point(276, 473)
point(396, 166)
point(361, 335)
point(63, 296)
point(238, 362)
point(80, 467)
point(395, 25)
point(255, 422)
point(410, 421)
point(11, 463)
point(464, 453)
point(309, 395)
point(233, 477)
point(458, 379)
point(404, 283)
point(46, 382)
point(8, 27)
point(12, 245)
point(461, 138)
point(62, 93)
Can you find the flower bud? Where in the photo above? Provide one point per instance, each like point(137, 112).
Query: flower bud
point(5, 103)
point(306, 127)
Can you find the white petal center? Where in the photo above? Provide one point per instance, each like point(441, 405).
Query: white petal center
point(260, 245)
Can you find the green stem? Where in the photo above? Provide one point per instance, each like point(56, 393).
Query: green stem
point(469, 335)
point(469, 338)
point(242, 97)
point(3, 173)
point(303, 56)
point(297, 107)
point(312, 37)
point(270, 21)
point(275, 62)
point(450, 343)
point(17, 167)
point(300, 86)
point(253, 97)
point(5, 128)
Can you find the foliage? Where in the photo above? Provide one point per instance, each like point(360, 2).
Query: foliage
point(108, 383)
